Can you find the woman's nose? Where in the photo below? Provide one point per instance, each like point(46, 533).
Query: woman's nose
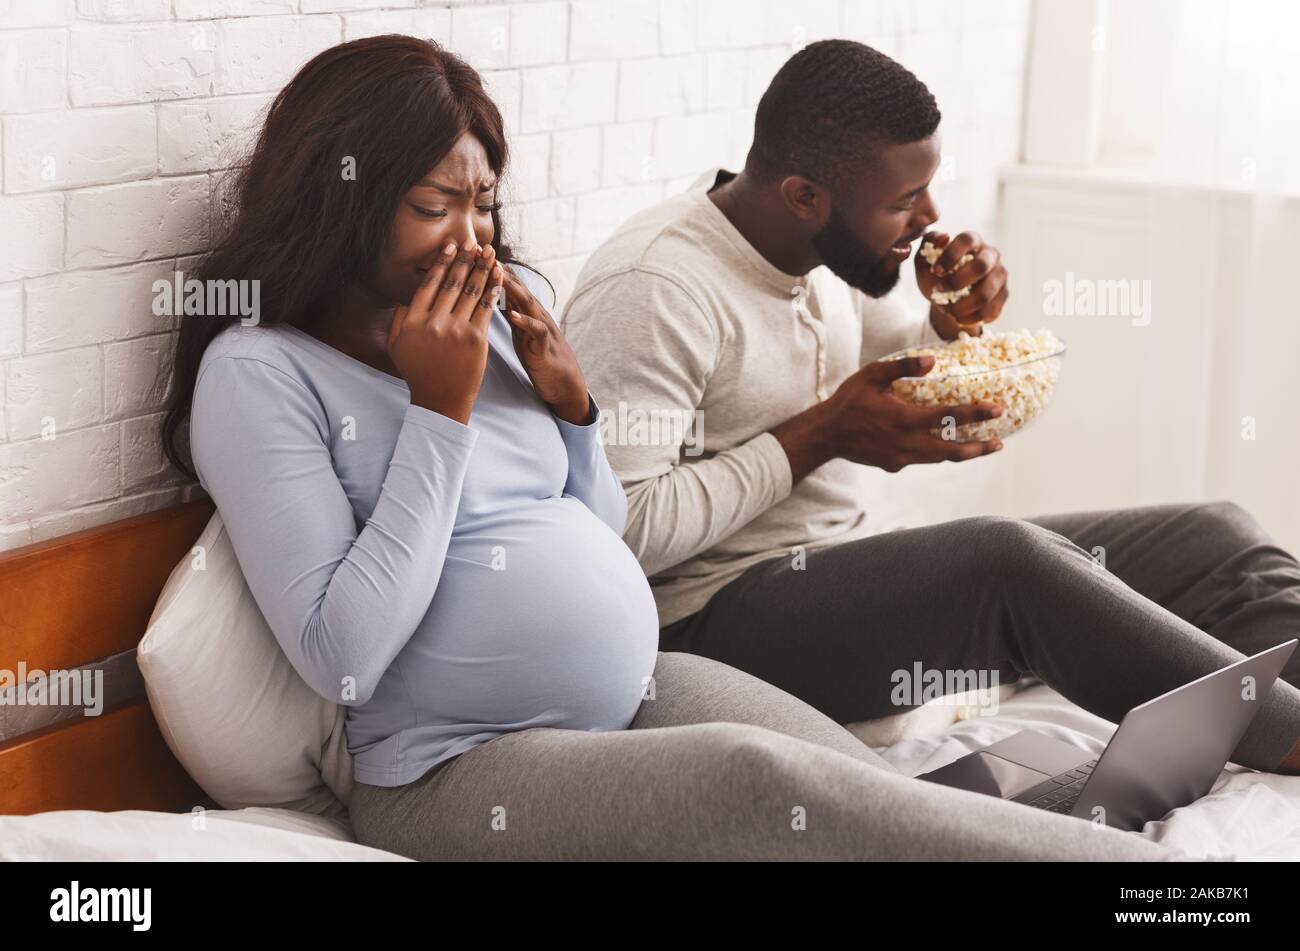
point(462, 232)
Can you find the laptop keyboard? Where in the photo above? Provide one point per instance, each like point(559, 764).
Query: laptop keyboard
point(1069, 785)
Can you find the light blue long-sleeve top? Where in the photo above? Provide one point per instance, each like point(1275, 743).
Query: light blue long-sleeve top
point(449, 583)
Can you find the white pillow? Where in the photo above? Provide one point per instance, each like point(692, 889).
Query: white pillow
point(231, 707)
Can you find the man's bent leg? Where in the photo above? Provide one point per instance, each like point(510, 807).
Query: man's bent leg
point(1210, 563)
point(974, 596)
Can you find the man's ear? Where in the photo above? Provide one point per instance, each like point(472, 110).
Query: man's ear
point(806, 200)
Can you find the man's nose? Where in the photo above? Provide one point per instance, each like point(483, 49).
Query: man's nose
point(927, 213)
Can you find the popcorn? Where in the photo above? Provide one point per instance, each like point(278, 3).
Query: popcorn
point(930, 253)
point(1017, 370)
point(939, 295)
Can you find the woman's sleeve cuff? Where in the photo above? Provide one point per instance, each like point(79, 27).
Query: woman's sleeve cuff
point(593, 417)
point(445, 426)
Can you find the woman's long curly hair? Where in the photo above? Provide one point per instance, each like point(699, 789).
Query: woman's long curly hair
point(391, 107)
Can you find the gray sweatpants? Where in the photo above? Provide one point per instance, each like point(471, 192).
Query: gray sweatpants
point(716, 765)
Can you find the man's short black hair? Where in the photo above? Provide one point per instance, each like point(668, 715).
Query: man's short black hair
point(831, 107)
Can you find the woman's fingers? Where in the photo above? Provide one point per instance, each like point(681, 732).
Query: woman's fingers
point(487, 300)
point(418, 310)
point(476, 284)
point(395, 328)
point(422, 300)
point(532, 306)
point(518, 296)
point(530, 326)
point(454, 280)
point(521, 298)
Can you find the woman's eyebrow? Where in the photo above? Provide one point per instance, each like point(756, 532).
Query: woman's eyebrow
point(454, 191)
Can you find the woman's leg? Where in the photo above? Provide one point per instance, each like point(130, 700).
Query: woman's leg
point(688, 688)
point(708, 791)
point(965, 600)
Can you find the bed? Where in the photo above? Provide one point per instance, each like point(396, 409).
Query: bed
point(108, 787)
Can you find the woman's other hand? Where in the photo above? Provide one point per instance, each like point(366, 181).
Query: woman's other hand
point(546, 355)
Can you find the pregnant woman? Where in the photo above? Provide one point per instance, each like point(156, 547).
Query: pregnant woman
point(413, 482)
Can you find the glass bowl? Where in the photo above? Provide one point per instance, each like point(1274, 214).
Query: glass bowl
point(1023, 389)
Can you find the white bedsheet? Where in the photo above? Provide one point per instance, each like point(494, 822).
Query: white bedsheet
point(1248, 816)
point(252, 834)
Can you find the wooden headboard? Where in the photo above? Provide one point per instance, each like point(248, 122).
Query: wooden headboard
point(72, 601)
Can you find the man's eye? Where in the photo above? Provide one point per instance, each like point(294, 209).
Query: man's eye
point(429, 212)
point(488, 209)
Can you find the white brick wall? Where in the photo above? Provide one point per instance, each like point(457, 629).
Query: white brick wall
point(116, 117)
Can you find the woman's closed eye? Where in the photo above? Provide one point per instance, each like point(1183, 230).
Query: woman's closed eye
point(442, 212)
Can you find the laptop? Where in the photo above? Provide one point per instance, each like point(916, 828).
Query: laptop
point(1165, 753)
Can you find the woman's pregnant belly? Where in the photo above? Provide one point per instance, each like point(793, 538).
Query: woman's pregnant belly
point(542, 618)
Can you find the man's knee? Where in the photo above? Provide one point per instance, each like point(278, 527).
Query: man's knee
point(999, 547)
point(1226, 519)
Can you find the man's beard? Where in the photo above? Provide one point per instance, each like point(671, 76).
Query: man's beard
point(852, 261)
